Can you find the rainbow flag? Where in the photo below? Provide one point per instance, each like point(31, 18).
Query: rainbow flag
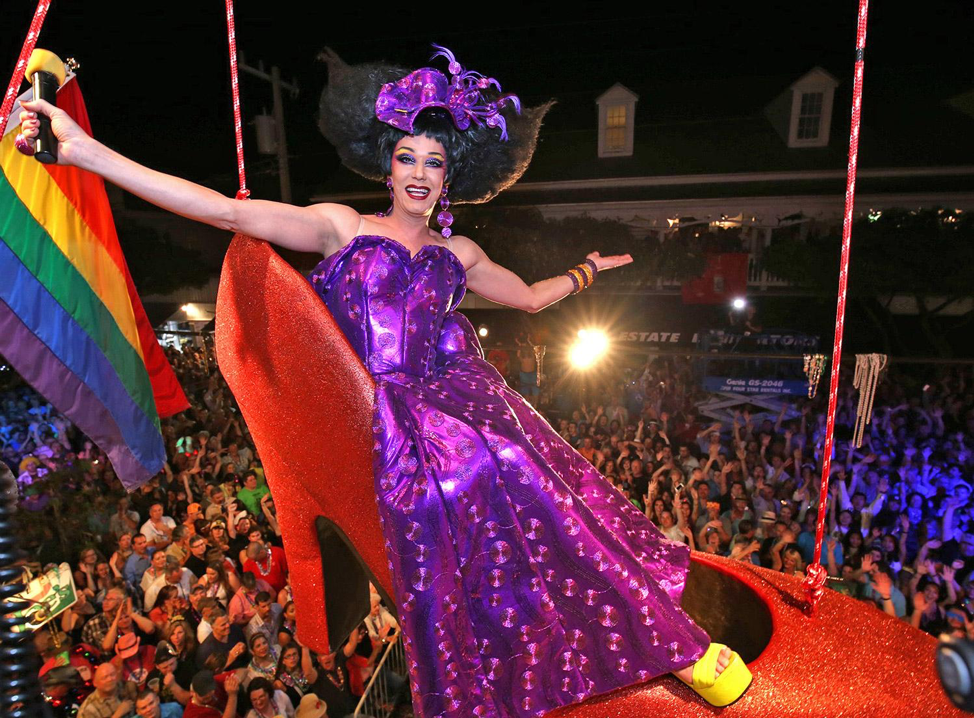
point(71, 322)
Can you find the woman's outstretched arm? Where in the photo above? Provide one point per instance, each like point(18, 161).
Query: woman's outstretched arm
point(501, 285)
point(307, 229)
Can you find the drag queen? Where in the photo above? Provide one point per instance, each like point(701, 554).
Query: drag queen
point(523, 580)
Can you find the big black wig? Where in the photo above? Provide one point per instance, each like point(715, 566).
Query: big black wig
point(479, 164)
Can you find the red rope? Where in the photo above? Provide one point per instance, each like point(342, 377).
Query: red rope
point(815, 577)
point(31, 41)
point(18, 77)
point(243, 192)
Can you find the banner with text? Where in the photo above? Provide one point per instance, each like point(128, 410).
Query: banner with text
point(47, 596)
point(729, 385)
point(771, 342)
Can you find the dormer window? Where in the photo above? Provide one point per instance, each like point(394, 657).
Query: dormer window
point(615, 128)
point(811, 109)
point(617, 114)
point(810, 116)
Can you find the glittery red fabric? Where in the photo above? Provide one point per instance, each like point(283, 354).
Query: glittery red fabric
point(850, 660)
point(310, 416)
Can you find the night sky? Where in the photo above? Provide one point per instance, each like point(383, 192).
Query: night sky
point(156, 80)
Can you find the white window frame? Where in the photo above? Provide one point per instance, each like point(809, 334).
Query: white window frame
point(812, 95)
point(808, 85)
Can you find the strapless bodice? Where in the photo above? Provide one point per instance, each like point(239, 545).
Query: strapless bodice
point(397, 310)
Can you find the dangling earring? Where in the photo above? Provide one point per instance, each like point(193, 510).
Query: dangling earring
point(444, 218)
point(392, 200)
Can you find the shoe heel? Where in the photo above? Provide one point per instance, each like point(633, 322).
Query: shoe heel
point(346, 579)
point(308, 402)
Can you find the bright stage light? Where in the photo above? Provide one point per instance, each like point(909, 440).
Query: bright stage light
point(483, 331)
point(590, 346)
point(739, 303)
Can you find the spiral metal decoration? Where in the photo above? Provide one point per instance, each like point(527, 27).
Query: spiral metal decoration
point(20, 690)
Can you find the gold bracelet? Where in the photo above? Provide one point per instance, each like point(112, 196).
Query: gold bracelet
point(579, 277)
point(589, 275)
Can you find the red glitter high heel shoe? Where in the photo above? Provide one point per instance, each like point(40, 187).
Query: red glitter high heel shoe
point(307, 400)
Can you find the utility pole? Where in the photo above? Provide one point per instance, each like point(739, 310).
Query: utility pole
point(276, 84)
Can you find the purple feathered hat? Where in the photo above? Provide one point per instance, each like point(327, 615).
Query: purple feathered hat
point(366, 108)
point(399, 102)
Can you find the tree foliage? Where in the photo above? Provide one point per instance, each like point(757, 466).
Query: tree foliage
point(926, 254)
point(536, 248)
point(64, 504)
point(157, 263)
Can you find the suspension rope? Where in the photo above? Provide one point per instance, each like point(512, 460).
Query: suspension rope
point(243, 192)
point(815, 576)
point(18, 77)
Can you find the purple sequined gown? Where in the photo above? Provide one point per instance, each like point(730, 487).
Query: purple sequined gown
point(524, 581)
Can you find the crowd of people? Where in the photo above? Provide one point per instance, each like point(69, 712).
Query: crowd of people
point(899, 530)
point(184, 600)
point(184, 605)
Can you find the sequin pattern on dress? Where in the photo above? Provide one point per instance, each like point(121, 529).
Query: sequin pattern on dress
point(524, 581)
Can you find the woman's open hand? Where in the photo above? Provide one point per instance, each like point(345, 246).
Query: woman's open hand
point(604, 263)
point(72, 140)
